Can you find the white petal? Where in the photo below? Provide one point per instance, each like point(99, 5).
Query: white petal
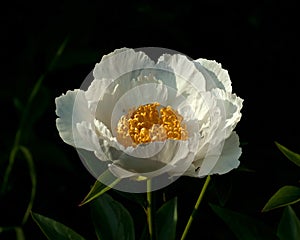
point(174, 158)
point(216, 76)
point(231, 106)
point(177, 156)
point(201, 104)
point(88, 139)
point(191, 171)
point(221, 159)
point(121, 61)
point(210, 160)
point(71, 108)
point(210, 145)
point(229, 156)
point(183, 166)
point(186, 74)
point(223, 119)
point(148, 167)
point(145, 150)
point(173, 151)
point(95, 92)
point(139, 167)
point(210, 133)
point(183, 162)
point(104, 134)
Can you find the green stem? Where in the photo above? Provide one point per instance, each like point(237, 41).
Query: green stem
point(188, 225)
point(32, 174)
point(19, 233)
point(8, 170)
point(149, 209)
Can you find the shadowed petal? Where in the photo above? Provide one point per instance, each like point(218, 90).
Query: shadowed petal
point(90, 140)
point(95, 92)
point(229, 156)
point(120, 172)
point(68, 118)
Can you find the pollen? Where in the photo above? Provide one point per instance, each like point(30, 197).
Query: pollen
point(149, 123)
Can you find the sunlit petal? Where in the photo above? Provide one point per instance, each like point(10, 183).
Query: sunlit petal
point(216, 76)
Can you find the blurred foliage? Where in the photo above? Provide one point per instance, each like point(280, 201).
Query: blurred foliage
point(257, 41)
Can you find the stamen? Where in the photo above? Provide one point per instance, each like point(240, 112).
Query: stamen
point(147, 124)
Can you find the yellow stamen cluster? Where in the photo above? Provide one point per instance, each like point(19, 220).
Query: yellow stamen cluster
point(148, 124)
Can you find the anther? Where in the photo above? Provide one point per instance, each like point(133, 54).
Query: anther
point(146, 124)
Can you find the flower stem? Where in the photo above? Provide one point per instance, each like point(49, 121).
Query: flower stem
point(149, 209)
point(187, 227)
point(19, 233)
point(32, 175)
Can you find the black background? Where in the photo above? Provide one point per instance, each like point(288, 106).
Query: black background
point(256, 41)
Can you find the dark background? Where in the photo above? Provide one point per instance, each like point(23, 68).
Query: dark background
point(256, 41)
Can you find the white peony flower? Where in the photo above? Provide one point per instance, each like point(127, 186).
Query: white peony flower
point(144, 119)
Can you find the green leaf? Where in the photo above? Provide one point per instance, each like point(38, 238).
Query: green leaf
point(111, 220)
point(284, 196)
point(54, 230)
point(166, 220)
point(292, 156)
point(244, 227)
point(289, 225)
point(99, 188)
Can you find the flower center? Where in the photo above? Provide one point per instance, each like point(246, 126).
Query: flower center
point(150, 123)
